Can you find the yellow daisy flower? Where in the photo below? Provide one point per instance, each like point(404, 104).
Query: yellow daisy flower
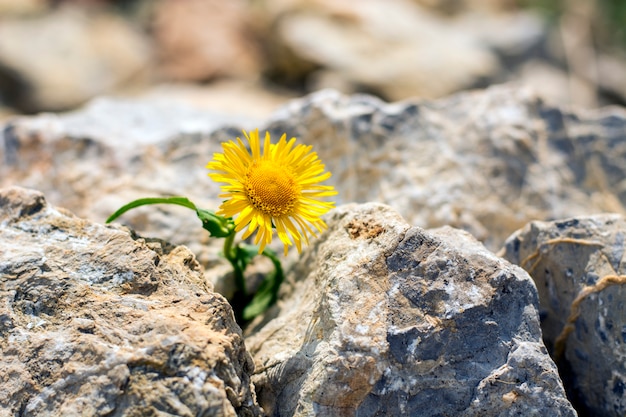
point(278, 187)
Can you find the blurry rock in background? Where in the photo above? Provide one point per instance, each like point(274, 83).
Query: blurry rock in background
point(59, 59)
point(399, 49)
point(418, 55)
point(55, 55)
point(200, 40)
point(17, 7)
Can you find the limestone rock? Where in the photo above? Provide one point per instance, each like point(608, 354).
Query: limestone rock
point(111, 152)
point(387, 319)
point(96, 321)
point(487, 161)
point(580, 271)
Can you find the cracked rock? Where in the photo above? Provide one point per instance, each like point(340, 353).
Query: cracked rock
point(96, 321)
point(387, 319)
point(579, 268)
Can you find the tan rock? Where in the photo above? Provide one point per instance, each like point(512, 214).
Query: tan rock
point(97, 321)
point(420, 54)
point(198, 40)
point(68, 56)
point(21, 7)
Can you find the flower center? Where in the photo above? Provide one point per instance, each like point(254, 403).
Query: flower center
point(271, 188)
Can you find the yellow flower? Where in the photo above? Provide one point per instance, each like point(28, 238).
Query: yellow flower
point(278, 187)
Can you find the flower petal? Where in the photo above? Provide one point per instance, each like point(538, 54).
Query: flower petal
point(252, 188)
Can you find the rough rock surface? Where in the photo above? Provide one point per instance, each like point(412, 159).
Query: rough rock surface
point(579, 266)
point(95, 321)
point(388, 319)
point(486, 161)
point(111, 152)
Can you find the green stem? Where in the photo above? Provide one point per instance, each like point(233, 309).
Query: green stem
point(240, 298)
point(279, 277)
point(230, 252)
point(181, 201)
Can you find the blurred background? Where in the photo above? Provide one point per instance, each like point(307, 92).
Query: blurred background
point(250, 56)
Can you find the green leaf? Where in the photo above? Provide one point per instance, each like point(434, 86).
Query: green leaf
point(181, 201)
point(217, 226)
point(244, 254)
point(267, 294)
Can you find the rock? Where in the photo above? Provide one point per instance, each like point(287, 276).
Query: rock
point(356, 43)
point(556, 85)
point(513, 34)
point(199, 40)
point(79, 56)
point(387, 319)
point(5, 114)
point(609, 66)
point(96, 321)
point(22, 7)
point(112, 152)
point(579, 269)
point(487, 161)
point(234, 98)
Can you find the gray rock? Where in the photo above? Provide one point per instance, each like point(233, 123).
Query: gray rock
point(487, 162)
point(111, 152)
point(578, 266)
point(387, 319)
point(96, 321)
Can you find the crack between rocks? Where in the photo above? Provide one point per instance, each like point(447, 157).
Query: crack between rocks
point(555, 241)
point(603, 283)
point(600, 285)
